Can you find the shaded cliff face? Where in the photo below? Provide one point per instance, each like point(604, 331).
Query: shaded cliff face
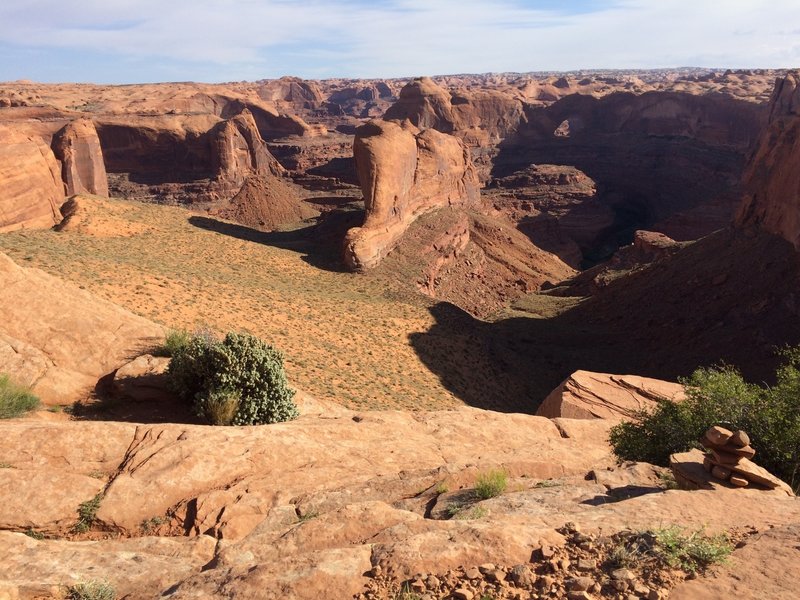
point(82, 168)
point(31, 190)
point(653, 157)
point(403, 174)
point(772, 177)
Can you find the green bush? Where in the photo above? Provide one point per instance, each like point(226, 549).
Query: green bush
point(491, 484)
point(15, 400)
point(719, 396)
point(175, 341)
point(239, 380)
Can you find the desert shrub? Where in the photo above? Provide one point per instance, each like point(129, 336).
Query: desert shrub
point(720, 396)
point(87, 514)
point(15, 400)
point(691, 551)
point(91, 590)
point(491, 484)
point(175, 341)
point(239, 380)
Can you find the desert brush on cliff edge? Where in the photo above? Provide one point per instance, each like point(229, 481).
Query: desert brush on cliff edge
point(239, 380)
point(720, 396)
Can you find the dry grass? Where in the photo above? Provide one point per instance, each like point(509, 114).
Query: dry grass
point(345, 336)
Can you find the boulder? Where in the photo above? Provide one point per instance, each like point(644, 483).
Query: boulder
point(587, 395)
point(31, 190)
point(403, 174)
point(142, 379)
point(77, 146)
point(60, 339)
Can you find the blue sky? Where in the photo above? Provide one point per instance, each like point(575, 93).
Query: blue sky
point(128, 41)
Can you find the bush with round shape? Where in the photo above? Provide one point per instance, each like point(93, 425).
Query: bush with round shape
point(239, 380)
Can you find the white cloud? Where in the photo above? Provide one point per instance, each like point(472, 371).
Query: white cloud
point(256, 38)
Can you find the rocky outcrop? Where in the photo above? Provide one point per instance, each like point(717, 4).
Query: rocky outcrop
point(322, 506)
point(480, 118)
point(60, 339)
point(772, 178)
point(238, 151)
point(403, 173)
point(429, 106)
point(31, 190)
point(586, 395)
point(82, 168)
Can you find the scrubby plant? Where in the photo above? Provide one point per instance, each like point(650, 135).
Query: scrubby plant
point(175, 341)
point(15, 400)
point(239, 380)
point(691, 551)
point(491, 484)
point(91, 590)
point(720, 396)
point(87, 513)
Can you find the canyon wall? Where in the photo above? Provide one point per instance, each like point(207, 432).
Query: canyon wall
point(772, 177)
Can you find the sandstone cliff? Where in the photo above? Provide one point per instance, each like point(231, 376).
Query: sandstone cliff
point(238, 151)
point(77, 146)
point(772, 176)
point(31, 190)
point(403, 174)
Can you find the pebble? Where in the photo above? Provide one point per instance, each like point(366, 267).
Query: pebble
point(463, 594)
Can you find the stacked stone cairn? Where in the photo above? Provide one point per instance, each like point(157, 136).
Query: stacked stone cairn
point(728, 459)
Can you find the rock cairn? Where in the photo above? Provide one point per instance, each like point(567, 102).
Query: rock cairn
point(728, 459)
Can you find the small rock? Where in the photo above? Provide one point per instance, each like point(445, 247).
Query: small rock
point(463, 594)
point(498, 575)
point(523, 576)
point(579, 596)
point(718, 435)
point(432, 582)
point(472, 573)
point(739, 481)
point(623, 575)
point(486, 568)
point(579, 584)
point(546, 582)
point(546, 551)
point(586, 564)
point(641, 589)
point(740, 439)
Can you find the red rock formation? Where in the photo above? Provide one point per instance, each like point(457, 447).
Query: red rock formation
point(238, 151)
point(31, 191)
point(772, 177)
point(82, 168)
point(403, 174)
point(587, 395)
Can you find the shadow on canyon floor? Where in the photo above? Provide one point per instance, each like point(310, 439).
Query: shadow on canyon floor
point(319, 243)
point(727, 298)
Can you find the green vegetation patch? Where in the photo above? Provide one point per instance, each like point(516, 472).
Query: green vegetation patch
point(15, 400)
point(720, 396)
